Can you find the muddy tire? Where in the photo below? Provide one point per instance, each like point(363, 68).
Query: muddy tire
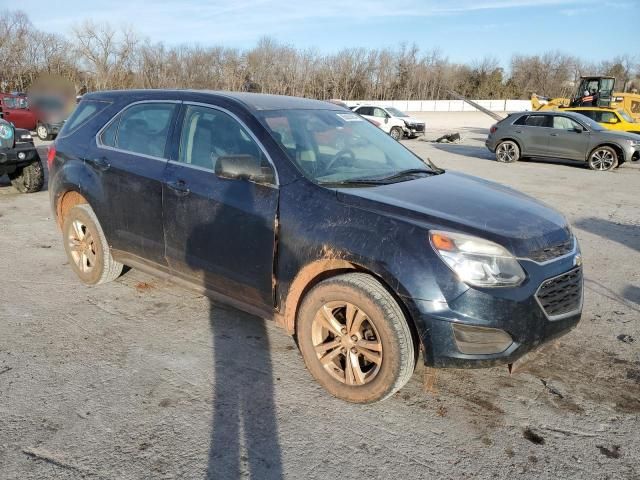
point(396, 133)
point(87, 248)
point(43, 132)
point(355, 339)
point(28, 179)
point(603, 159)
point(508, 152)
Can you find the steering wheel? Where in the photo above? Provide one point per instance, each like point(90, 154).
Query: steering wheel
point(344, 153)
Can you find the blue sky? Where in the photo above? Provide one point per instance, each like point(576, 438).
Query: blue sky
point(463, 30)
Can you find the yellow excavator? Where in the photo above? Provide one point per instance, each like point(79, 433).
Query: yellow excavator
point(593, 92)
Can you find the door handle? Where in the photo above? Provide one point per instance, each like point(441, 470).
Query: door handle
point(518, 131)
point(179, 187)
point(553, 134)
point(100, 163)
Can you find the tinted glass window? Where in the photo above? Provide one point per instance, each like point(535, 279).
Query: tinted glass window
point(588, 113)
point(209, 134)
point(537, 121)
point(564, 123)
point(521, 121)
point(380, 113)
point(141, 129)
point(365, 111)
point(606, 117)
point(331, 146)
point(108, 136)
point(83, 112)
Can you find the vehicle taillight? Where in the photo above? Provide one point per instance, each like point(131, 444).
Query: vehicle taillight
point(51, 154)
point(493, 129)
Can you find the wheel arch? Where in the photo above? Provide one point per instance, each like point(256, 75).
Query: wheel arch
point(512, 139)
point(66, 201)
point(319, 270)
point(617, 148)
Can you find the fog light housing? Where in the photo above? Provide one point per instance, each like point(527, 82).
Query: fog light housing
point(480, 340)
point(21, 155)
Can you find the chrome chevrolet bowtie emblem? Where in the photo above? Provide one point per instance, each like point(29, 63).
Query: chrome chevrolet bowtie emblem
point(577, 260)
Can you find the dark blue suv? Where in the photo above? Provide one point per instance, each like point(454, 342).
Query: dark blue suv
point(303, 212)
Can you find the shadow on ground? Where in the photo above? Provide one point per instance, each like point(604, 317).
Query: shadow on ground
point(244, 431)
point(624, 234)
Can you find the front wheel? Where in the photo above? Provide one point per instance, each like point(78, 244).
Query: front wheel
point(396, 133)
point(603, 159)
point(508, 152)
point(43, 132)
point(87, 248)
point(28, 179)
point(355, 339)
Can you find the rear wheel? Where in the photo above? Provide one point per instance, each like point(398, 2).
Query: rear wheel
point(603, 159)
point(87, 248)
point(355, 339)
point(396, 133)
point(28, 179)
point(43, 132)
point(508, 152)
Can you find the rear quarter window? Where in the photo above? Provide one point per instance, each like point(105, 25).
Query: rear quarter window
point(85, 110)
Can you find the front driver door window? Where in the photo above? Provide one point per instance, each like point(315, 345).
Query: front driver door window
point(564, 139)
point(219, 231)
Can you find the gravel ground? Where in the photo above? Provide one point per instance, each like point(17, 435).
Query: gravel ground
point(142, 379)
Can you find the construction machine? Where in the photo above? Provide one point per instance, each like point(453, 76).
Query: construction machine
point(593, 91)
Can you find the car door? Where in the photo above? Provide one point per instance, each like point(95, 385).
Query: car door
point(567, 138)
point(129, 161)
point(532, 132)
point(219, 231)
point(17, 113)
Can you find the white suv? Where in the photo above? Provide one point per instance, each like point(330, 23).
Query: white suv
point(393, 121)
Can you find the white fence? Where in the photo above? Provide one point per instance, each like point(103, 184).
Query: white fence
point(448, 105)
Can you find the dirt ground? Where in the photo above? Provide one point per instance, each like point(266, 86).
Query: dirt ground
point(142, 379)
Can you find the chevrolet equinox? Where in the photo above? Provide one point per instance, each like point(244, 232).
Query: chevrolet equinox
point(303, 212)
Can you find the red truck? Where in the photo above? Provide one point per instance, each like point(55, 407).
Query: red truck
point(45, 115)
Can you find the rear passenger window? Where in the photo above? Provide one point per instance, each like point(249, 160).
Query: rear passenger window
point(83, 112)
point(142, 129)
point(209, 135)
point(537, 121)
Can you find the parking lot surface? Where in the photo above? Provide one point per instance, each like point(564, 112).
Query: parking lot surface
point(143, 379)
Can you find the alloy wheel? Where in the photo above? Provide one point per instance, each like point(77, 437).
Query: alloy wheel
point(82, 247)
point(602, 159)
point(347, 343)
point(42, 132)
point(506, 152)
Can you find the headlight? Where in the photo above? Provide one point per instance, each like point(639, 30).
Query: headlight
point(634, 143)
point(476, 261)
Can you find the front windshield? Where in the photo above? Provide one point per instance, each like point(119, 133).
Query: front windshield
point(334, 146)
point(625, 116)
point(396, 113)
point(592, 124)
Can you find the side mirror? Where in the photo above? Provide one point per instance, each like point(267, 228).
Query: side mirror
point(613, 120)
point(578, 129)
point(244, 167)
point(386, 119)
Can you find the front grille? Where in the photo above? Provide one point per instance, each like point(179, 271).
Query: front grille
point(561, 294)
point(553, 251)
point(418, 127)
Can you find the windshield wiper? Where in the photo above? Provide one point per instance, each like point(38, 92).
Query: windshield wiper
point(357, 181)
point(408, 172)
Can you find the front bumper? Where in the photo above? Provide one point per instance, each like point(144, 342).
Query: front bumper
point(21, 154)
point(414, 129)
point(515, 311)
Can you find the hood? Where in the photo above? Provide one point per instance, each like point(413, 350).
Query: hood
point(413, 120)
point(620, 135)
point(463, 203)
